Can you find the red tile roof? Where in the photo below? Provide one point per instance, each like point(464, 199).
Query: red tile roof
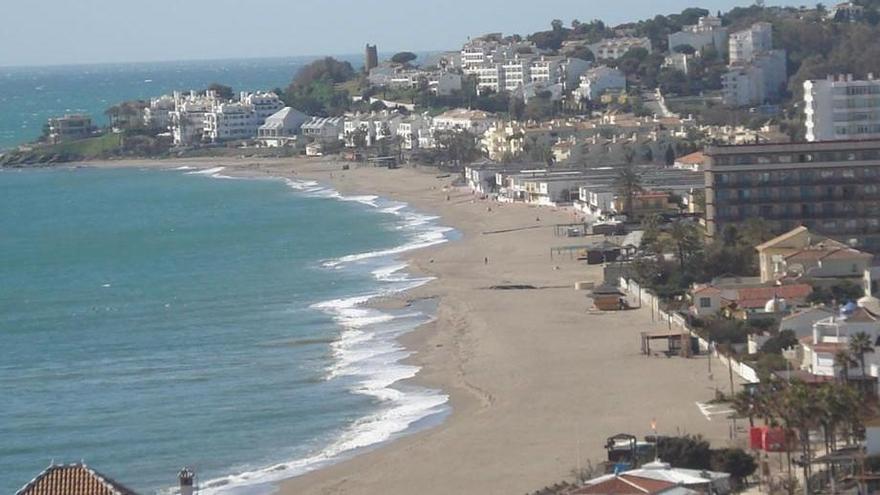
point(695, 158)
point(764, 294)
point(73, 479)
point(625, 485)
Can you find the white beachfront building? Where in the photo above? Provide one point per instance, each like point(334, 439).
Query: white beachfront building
point(323, 129)
point(281, 128)
point(240, 119)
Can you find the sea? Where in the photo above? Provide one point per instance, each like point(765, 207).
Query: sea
point(155, 319)
point(30, 95)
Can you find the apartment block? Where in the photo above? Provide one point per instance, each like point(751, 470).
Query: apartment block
point(830, 187)
point(614, 48)
point(707, 32)
point(746, 44)
point(842, 108)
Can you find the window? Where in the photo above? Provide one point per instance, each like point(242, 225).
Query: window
point(705, 302)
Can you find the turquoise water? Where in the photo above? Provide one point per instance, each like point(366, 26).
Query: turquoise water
point(30, 95)
point(155, 319)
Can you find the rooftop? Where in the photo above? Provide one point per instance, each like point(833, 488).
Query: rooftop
point(73, 479)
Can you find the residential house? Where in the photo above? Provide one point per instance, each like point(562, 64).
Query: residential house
point(476, 122)
point(73, 479)
point(832, 335)
point(282, 127)
point(692, 161)
point(745, 302)
point(323, 129)
point(69, 127)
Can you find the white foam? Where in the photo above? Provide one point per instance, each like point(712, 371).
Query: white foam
point(184, 167)
point(366, 352)
point(207, 171)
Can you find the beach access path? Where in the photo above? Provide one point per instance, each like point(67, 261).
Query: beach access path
point(537, 382)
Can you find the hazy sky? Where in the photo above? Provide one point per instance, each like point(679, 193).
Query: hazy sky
point(84, 31)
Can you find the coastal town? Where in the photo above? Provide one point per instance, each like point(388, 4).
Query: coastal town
point(690, 202)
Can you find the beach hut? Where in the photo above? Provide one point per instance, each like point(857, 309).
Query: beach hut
point(609, 298)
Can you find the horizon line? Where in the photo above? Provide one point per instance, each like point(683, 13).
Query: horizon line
point(209, 59)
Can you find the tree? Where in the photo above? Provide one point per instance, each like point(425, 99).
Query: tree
point(669, 158)
point(785, 339)
point(859, 345)
point(842, 361)
point(403, 57)
point(801, 410)
point(459, 146)
point(688, 244)
point(314, 90)
point(516, 108)
point(627, 183)
point(737, 462)
point(691, 452)
point(223, 92)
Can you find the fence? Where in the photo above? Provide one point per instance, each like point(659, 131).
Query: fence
point(638, 296)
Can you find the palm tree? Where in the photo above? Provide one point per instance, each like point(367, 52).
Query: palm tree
point(859, 345)
point(628, 183)
point(842, 361)
point(801, 410)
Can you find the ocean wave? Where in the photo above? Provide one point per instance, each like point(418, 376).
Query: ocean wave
point(207, 171)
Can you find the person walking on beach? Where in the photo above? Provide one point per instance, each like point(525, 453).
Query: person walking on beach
point(486, 260)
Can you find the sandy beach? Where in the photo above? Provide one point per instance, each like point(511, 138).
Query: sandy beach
point(536, 380)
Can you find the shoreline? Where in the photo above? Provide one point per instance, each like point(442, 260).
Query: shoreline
point(536, 383)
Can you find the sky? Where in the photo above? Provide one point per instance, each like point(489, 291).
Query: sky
point(51, 32)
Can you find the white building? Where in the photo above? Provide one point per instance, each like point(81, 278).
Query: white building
point(474, 121)
point(444, 83)
point(323, 129)
point(832, 334)
point(614, 48)
point(516, 71)
point(240, 119)
point(188, 117)
point(409, 128)
point(157, 115)
point(746, 44)
point(598, 80)
point(842, 108)
point(281, 127)
point(760, 81)
point(678, 61)
point(705, 33)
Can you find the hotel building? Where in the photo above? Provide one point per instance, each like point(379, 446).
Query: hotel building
point(831, 187)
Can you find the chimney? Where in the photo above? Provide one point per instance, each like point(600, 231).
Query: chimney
point(186, 477)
